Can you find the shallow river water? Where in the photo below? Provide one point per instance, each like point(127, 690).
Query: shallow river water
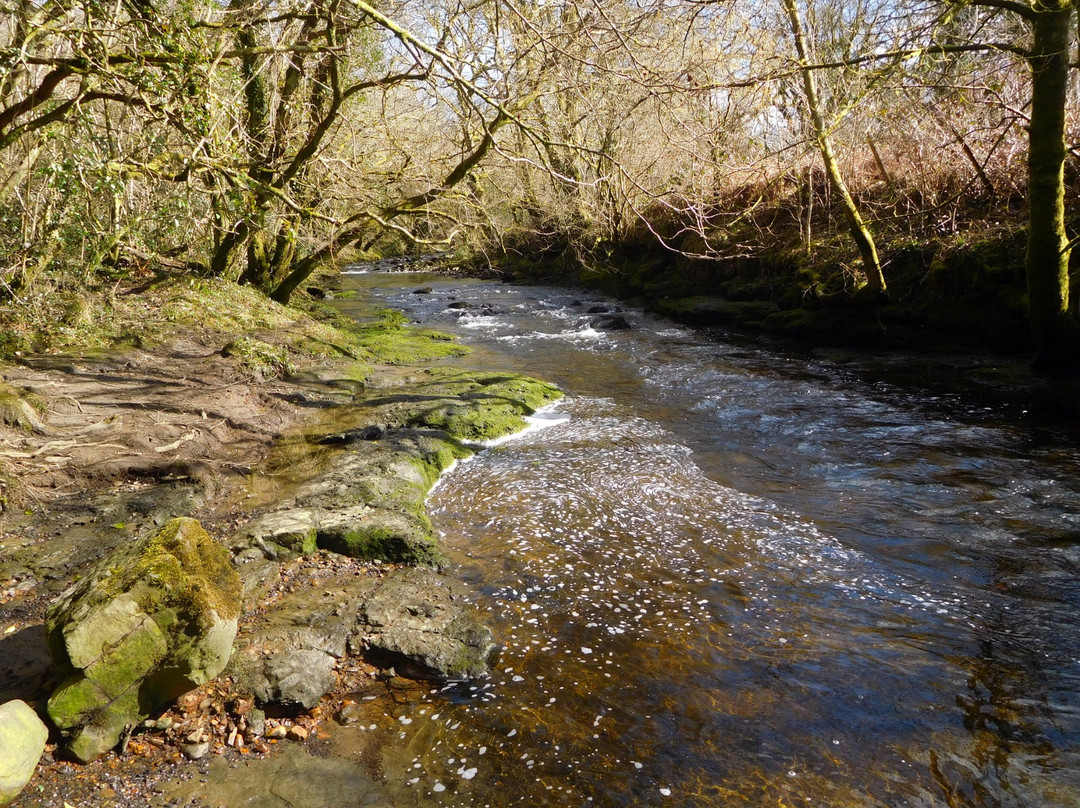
point(726, 575)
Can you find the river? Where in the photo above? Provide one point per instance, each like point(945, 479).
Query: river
point(733, 575)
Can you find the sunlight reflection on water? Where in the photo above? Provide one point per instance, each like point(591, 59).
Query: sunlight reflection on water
point(725, 580)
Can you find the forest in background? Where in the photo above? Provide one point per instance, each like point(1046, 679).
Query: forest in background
point(809, 153)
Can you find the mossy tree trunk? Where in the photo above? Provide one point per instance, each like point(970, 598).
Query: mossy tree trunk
point(860, 233)
point(1056, 331)
point(257, 123)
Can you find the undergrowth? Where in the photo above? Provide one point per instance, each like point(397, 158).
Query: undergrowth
point(269, 339)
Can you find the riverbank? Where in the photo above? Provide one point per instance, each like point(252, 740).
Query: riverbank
point(954, 320)
point(955, 292)
point(205, 400)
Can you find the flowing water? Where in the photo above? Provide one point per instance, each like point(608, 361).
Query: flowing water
point(726, 575)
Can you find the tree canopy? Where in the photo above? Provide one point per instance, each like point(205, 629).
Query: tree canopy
point(259, 140)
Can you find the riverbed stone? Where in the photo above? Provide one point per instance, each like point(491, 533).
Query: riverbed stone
point(22, 742)
point(411, 618)
point(378, 533)
point(611, 322)
point(426, 620)
point(295, 529)
point(299, 678)
point(290, 657)
point(153, 620)
point(290, 778)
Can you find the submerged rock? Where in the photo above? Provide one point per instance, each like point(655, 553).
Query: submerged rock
point(291, 778)
point(153, 620)
point(611, 322)
point(22, 741)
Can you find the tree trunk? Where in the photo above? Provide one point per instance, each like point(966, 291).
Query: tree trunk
point(875, 280)
point(1057, 336)
point(257, 125)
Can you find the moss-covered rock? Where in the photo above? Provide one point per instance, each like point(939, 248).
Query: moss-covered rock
point(469, 406)
point(379, 533)
point(150, 622)
point(357, 480)
point(21, 409)
point(261, 359)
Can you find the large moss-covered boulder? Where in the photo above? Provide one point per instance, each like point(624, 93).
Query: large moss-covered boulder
point(22, 740)
point(153, 620)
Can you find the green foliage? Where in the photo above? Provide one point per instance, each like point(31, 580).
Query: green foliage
point(261, 359)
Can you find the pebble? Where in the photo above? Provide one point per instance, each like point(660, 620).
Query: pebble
point(256, 722)
point(195, 751)
point(297, 734)
point(277, 732)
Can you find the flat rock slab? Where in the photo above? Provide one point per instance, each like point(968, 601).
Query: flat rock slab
point(290, 779)
point(413, 619)
point(428, 620)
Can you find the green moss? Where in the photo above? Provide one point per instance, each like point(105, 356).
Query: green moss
point(261, 359)
point(440, 456)
point(130, 660)
point(19, 408)
point(408, 346)
point(307, 544)
point(103, 731)
point(470, 422)
point(472, 407)
point(193, 573)
point(76, 698)
point(358, 372)
point(384, 543)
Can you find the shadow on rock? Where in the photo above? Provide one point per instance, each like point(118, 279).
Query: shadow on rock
point(26, 664)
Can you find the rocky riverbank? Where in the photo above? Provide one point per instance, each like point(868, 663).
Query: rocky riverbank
point(306, 448)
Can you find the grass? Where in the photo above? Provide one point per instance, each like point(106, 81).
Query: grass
point(269, 339)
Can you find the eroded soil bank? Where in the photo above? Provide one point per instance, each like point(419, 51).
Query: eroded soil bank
point(307, 448)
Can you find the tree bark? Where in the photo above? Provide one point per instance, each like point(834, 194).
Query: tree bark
point(1057, 336)
point(860, 233)
point(257, 124)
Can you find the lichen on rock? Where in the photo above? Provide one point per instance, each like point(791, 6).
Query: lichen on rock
point(150, 622)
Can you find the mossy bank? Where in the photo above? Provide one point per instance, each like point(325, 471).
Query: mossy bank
point(960, 293)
